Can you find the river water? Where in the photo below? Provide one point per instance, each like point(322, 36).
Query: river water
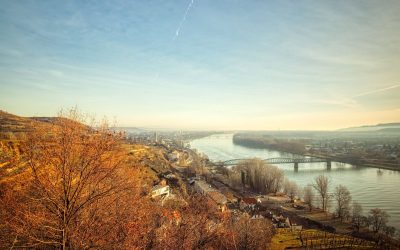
point(370, 187)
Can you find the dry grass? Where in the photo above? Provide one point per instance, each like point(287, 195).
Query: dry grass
point(285, 238)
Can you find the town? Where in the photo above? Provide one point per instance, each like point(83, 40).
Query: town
point(291, 215)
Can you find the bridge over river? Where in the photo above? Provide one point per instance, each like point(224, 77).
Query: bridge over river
point(295, 161)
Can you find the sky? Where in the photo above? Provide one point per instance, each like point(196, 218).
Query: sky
point(204, 64)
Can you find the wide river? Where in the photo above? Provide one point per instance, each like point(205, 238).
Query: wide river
point(370, 187)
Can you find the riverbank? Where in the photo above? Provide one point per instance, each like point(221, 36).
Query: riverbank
point(367, 165)
point(301, 219)
point(269, 142)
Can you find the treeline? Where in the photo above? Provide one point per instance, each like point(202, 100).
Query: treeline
point(258, 141)
point(78, 188)
point(345, 208)
point(256, 175)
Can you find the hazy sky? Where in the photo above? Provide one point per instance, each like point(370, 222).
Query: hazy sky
point(204, 64)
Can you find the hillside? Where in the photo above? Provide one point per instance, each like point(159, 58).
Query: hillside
point(111, 184)
point(10, 123)
point(13, 126)
point(13, 123)
point(382, 127)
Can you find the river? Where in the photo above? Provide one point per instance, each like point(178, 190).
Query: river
point(370, 187)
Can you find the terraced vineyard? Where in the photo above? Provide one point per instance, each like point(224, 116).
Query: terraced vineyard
point(314, 239)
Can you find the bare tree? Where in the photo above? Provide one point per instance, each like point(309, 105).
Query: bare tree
point(259, 176)
point(74, 176)
point(378, 219)
point(389, 230)
point(251, 233)
point(356, 215)
point(252, 174)
point(10, 156)
point(291, 189)
point(195, 225)
point(321, 185)
point(308, 196)
point(343, 198)
point(273, 179)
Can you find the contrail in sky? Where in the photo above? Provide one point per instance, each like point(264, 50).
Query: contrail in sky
point(378, 90)
point(183, 20)
point(178, 29)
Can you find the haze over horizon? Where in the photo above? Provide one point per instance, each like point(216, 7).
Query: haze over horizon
point(200, 64)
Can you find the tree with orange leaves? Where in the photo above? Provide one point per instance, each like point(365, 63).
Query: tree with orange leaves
point(74, 180)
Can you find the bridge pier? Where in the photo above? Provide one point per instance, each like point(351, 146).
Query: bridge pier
point(328, 165)
point(296, 166)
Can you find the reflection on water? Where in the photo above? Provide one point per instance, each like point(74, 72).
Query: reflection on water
point(370, 187)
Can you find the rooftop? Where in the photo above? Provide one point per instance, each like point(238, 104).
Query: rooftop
point(217, 197)
point(249, 200)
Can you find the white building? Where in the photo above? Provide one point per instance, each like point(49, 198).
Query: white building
point(160, 190)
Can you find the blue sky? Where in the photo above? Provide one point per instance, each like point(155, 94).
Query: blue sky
point(204, 64)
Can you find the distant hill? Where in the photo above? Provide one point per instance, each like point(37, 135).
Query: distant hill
point(390, 130)
point(382, 127)
point(130, 130)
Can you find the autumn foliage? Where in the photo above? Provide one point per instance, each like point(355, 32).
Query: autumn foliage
point(77, 188)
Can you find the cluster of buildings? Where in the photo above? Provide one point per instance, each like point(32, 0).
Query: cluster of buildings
point(167, 189)
point(202, 187)
point(357, 151)
point(223, 202)
point(182, 157)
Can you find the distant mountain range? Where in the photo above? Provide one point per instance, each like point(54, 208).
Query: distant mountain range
point(393, 127)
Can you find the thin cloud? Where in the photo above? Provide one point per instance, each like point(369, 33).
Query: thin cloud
point(349, 103)
point(342, 102)
point(377, 90)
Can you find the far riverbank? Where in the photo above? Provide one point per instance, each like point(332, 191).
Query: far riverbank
point(297, 148)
